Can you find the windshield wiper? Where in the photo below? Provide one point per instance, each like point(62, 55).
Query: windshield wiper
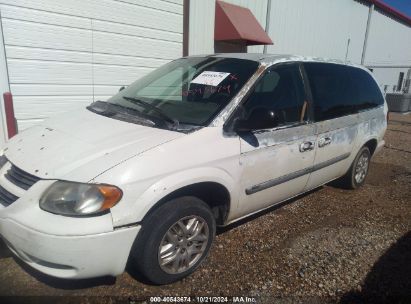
point(110, 110)
point(164, 116)
point(102, 108)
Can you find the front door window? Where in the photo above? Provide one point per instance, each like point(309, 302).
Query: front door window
point(280, 91)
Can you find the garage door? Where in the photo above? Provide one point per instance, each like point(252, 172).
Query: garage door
point(62, 55)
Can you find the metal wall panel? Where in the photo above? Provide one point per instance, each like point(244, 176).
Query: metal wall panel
point(201, 28)
point(24, 89)
point(30, 34)
point(63, 54)
point(49, 72)
point(389, 42)
point(42, 103)
point(318, 28)
point(147, 14)
point(4, 86)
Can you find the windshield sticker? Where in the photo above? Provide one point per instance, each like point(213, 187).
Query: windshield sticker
point(210, 78)
point(208, 90)
point(233, 77)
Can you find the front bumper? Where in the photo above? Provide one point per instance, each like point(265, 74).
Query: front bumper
point(60, 246)
point(70, 256)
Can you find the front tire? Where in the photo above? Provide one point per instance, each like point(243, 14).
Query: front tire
point(174, 240)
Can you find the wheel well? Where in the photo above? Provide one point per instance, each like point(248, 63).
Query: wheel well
point(371, 145)
point(215, 195)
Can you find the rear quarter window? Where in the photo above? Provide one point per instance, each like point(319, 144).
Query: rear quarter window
point(340, 90)
point(365, 90)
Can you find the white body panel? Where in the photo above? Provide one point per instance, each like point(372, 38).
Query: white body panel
point(335, 139)
point(69, 256)
point(148, 164)
point(262, 159)
point(64, 247)
point(59, 149)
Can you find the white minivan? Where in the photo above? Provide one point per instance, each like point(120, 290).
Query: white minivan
point(145, 177)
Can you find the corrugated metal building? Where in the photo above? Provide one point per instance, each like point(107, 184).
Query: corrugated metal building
point(58, 55)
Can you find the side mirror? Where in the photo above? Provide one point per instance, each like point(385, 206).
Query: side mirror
point(121, 89)
point(259, 119)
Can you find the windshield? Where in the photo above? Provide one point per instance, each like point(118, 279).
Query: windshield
point(188, 91)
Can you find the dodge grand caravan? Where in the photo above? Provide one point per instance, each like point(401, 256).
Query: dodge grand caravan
point(145, 177)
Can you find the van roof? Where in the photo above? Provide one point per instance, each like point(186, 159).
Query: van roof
point(269, 59)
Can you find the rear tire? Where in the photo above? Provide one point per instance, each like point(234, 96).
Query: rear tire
point(174, 240)
point(355, 177)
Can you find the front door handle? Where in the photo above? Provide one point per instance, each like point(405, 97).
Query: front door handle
point(307, 146)
point(324, 141)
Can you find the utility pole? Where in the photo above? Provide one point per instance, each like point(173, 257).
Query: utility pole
point(367, 31)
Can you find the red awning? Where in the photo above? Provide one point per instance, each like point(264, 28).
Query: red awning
point(236, 23)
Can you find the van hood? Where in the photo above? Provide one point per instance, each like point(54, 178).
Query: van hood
point(79, 146)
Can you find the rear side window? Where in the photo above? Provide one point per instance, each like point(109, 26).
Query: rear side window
point(366, 92)
point(340, 90)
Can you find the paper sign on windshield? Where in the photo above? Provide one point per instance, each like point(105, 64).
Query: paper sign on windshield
point(210, 78)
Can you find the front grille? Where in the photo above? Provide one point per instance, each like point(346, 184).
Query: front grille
point(6, 198)
point(21, 178)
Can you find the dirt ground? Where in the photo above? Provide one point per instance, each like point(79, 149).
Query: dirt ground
point(330, 245)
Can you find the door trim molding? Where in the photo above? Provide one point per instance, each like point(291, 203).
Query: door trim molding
point(285, 178)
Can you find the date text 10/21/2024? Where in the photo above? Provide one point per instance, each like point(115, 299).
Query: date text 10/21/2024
point(197, 299)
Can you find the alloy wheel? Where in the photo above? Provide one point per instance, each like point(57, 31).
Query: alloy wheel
point(183, 244)
point(361, 168)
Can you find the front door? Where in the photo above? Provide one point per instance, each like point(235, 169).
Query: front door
point(276, 161)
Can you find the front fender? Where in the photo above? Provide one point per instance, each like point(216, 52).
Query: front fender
point(133, 210)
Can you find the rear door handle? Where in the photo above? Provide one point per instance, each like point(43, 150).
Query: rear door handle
point(306, 146)
point(324, 141)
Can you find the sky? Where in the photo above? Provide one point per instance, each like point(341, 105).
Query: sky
point(404, 6)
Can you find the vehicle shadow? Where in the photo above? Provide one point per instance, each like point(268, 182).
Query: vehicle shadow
point(389, 280)
point(4, 251)
point(67, 284)
point(400, 122)
point(401, 131)
point(250, 218)
point(137, 276)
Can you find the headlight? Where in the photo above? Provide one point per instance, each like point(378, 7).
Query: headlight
point(73, 199)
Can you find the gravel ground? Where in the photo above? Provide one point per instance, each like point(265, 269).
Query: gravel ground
point(330, 245)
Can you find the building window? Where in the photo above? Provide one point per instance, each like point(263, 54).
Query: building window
point(400, 80)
